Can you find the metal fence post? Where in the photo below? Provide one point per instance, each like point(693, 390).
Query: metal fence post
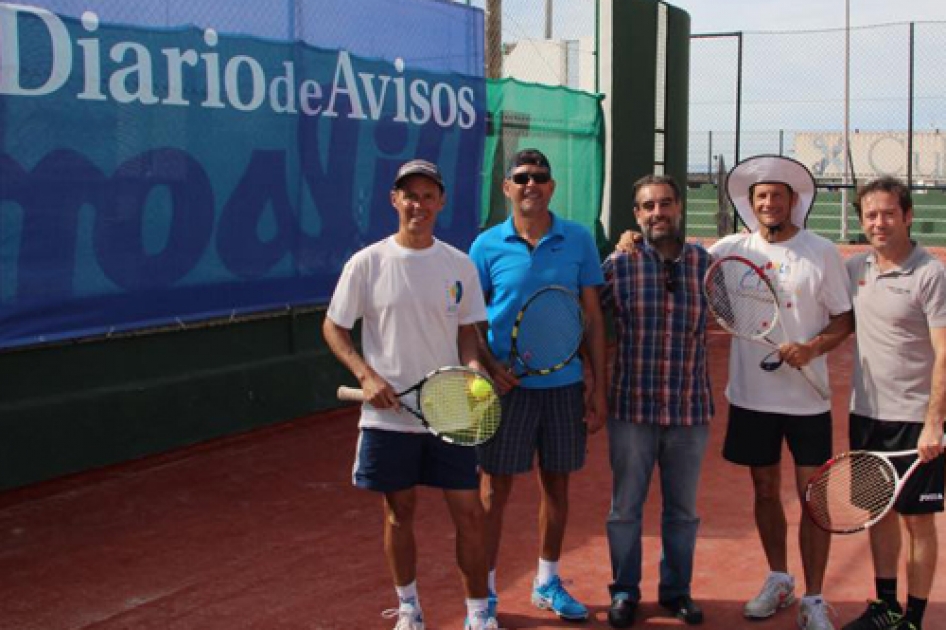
point(738, 98)
point(911, 93)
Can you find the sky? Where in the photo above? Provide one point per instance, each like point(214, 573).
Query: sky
point(714, 16)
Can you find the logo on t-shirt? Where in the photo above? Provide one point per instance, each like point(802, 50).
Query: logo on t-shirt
point(454, 295)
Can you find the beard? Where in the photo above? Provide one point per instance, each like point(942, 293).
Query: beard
point(670, 233)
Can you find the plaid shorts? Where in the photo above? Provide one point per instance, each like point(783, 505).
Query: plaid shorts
point(549, 422)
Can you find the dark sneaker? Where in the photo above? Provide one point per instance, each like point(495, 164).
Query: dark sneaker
point(622, 611)
point(878, 616)
point(683, 607)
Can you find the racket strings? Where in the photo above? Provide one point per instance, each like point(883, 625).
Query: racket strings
point(740, 299)
point(458, 412)
point(852, 492)
point(550, 330)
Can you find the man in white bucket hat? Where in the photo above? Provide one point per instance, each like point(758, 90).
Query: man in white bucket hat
point(773, 196)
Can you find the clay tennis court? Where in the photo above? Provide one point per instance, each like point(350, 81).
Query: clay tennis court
point(264, 530)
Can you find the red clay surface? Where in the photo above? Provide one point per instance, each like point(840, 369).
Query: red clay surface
point(264, 530)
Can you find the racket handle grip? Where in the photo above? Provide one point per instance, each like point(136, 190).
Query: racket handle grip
point(351, 394)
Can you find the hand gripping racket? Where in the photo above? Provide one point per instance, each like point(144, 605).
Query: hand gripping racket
point(744, 302)
point(547, 333)
point(854, 490)
point(457, 404)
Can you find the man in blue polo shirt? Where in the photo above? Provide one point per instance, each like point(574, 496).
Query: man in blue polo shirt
point(544, 415)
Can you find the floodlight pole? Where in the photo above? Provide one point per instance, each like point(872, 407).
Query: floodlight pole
point(847, 120)
point(548, 19)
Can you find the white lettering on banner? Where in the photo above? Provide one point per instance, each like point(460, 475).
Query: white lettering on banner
point(10, 52)
point(135, 75)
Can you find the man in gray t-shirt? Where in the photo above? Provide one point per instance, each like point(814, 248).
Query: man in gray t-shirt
point(899, 393)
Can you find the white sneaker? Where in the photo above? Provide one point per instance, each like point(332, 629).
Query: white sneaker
point(777, 592)
point(408, 617)
point(481, 622)
point(813, 615)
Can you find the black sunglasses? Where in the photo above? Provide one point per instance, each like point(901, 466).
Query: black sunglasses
point(522, 179)
point(670, 278)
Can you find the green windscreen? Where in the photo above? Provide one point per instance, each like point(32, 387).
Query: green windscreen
point(566, 125)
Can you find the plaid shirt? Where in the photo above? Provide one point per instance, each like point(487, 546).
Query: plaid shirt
point(659, 313)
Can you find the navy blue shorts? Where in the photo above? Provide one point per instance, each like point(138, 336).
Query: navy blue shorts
point(388, 461)
point(923, 491)
point(550, 422)
point(754, 438)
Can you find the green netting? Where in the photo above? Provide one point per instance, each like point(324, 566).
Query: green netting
point(567, 125)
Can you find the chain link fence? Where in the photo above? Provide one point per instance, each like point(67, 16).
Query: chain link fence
point(544, 41)
point(784, 93)
point(382, 29)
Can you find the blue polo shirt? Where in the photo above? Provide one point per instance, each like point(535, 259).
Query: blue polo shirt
point(511, 271)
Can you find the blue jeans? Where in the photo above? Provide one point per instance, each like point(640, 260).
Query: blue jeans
point(635, 449)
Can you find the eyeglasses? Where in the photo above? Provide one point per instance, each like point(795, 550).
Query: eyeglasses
point(670, 276)
point(522, 179)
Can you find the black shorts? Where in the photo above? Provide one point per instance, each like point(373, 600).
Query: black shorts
point(923, 491)
point(754, 438)
point(388, 461)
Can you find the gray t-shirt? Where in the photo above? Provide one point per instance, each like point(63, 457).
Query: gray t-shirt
point(894, 312)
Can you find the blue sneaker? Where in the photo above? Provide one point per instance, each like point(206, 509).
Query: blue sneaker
point(553, 596)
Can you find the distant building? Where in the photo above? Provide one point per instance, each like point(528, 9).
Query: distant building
point(566, 62)
point(874, 153)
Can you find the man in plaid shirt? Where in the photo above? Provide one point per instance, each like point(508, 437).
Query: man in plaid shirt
point(660, 401)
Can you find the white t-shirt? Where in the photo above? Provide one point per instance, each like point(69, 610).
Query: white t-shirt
point(809, 276)
point(411, 303)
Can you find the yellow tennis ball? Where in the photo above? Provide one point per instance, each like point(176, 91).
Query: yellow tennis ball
point(480, 388)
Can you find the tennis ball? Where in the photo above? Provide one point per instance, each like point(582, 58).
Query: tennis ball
point(480, 388)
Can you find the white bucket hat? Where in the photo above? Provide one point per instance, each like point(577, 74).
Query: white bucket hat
point(770, 169)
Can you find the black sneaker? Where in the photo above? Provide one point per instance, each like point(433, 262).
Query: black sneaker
point(622, 611)
point(878, 616)
point(683, 607)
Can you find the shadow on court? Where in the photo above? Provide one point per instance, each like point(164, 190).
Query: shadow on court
point(264, 530)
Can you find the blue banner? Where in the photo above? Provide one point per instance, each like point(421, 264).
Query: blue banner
point(156, 176)
point(437, 35)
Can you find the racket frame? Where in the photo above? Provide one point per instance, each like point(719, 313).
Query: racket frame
point(887, 457)
point(762, 337)
point(516, 358)
point(354, 394)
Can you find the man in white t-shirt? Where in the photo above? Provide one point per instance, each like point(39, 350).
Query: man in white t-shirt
point(773, 196)
point(419, 300)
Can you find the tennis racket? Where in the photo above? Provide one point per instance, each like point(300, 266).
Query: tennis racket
point(744, 302)
point(457, 404)
point(547, 332)
point(854, 490)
